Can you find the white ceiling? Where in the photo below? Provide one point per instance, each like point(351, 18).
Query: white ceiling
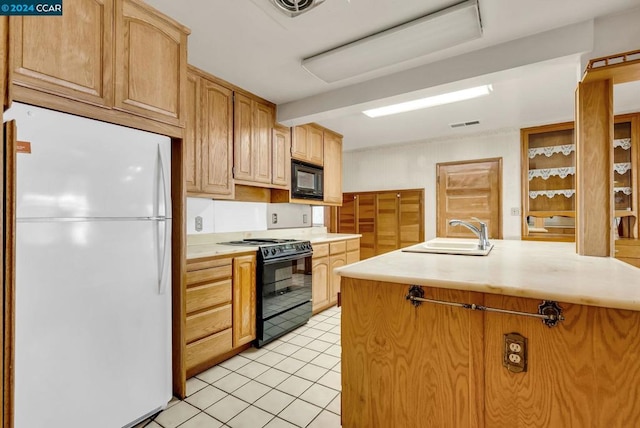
point(251, 44)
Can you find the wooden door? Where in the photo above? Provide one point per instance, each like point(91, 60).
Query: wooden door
point(332, 169)
point(242, 135)
point(335, 261)
point(151, 63)
point(216, 139)
point(347, 214)
point(469, 189)
point(281, 152)
point(69, 55)
point(244, 300)
point(193, 155)
point(387, 221)
point(320, 283)
point(315, 146)
point(263, 120)
point(411, 218)
point(366, 216)
point(7, 251)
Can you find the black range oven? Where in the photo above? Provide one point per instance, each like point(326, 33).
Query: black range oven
point(283, 281)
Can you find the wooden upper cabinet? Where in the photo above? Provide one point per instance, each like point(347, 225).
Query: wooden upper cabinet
point(217, 139)
point(281, 157)
point(332, 168)
point(69, 55)
point(5, 67)
point(307, 144)
point(191, 141)
point(208, 137)
point(244, 300)
point(151, 63)
point(253, 125)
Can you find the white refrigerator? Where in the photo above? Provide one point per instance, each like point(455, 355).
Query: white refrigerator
point(93, 286)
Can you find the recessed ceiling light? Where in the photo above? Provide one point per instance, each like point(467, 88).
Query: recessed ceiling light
point(436, 100)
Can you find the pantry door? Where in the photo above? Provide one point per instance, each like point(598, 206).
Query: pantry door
point(469, 189)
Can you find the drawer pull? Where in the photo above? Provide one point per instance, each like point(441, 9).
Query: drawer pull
point(548, 311)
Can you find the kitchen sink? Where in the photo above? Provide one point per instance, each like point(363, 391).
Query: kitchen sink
point(459, 247)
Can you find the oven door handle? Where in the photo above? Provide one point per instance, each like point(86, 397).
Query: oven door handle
point(288, 258)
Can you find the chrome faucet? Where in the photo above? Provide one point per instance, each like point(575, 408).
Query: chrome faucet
point(482, 233)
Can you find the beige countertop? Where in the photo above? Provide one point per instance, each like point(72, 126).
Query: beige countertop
point(207, 246)
point(539, 270)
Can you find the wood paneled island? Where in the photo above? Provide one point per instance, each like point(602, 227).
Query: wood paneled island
point(436, 365)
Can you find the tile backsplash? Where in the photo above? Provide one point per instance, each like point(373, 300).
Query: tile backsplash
point(232, 216)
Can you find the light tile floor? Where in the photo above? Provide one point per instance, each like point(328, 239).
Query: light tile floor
point(291, 382)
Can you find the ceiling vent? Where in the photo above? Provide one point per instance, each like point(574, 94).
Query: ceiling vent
point(464, 124)
point(293, 8)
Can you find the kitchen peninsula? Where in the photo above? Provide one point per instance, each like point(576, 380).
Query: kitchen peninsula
point(435, 365)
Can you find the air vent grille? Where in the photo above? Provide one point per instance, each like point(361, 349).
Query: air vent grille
point(294, 8)
point(464, 124)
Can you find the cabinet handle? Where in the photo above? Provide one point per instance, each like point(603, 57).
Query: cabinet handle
point(548, 311)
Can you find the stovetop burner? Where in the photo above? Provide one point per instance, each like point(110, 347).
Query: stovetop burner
point(271, 248)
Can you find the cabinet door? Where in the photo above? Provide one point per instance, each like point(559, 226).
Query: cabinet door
point(334, 284)
point(332, 169)
point(242, 136)
point(347, 214)
point(366, 217)
point(68, 55)
point(320, 283)
point(411, 218)
point(191, 141)
point(216, 139)
point(299, 143)
point(261, 148)
point(281, 149)
point(244, 300)
point(387, 221)
point(151, 63)
point(316, 146)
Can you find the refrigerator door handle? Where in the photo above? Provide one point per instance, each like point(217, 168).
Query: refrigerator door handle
point(166, 190)
point(163, 228)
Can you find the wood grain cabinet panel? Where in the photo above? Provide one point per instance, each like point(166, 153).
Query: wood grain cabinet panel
point(6, 73)
point(281, 157)
point(208, 295)
point(151, 63)
point(320, 283)
point(335, 261)
point(192, 141)
point(244, 300)
point(242, 138)
point(69, 55)
point(208, 322)
point(263, 122)
point(332, 168)
point(307, 144)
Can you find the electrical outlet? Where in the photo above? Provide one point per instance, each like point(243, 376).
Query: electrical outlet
point(515, 353)
point(305, 218)
point(198, 224)
point(274, 218)
point(515, 211)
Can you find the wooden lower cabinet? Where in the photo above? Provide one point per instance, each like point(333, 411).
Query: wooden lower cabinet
point(326, 258)
point(442, 366)
point(219, 320)
point(628, 250)
point(244, 300)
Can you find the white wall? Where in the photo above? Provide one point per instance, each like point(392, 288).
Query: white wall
point(413, 166)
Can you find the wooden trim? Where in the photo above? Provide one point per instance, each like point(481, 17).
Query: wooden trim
point(178, 267)
point(54, 102)
point(463, 162)
point(162, 16)
point(594, 169)
point(8, 300)
point(618, 68)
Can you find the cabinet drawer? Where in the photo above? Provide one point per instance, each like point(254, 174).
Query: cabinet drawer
point(205, 323)
point(337, 247)
point(320, 250)
point(353, 244)
point(353, 256)
point(204, 296)
point(628, 249)
point(199, 264)
point(205, 349)
point(209, 275)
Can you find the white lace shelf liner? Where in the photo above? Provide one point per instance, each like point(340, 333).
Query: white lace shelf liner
point(567, 193)
point(549, 151)
point(626, 190)
point(622, 167)
point(625, 143)
point(566, 149)
point(545, 173)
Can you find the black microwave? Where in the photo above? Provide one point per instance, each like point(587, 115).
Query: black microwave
point(306, 181)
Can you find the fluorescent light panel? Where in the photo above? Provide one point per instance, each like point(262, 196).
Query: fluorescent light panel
point(431, 33)
point(436, 100)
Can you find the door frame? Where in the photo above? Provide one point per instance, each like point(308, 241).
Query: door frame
point(463, 162)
